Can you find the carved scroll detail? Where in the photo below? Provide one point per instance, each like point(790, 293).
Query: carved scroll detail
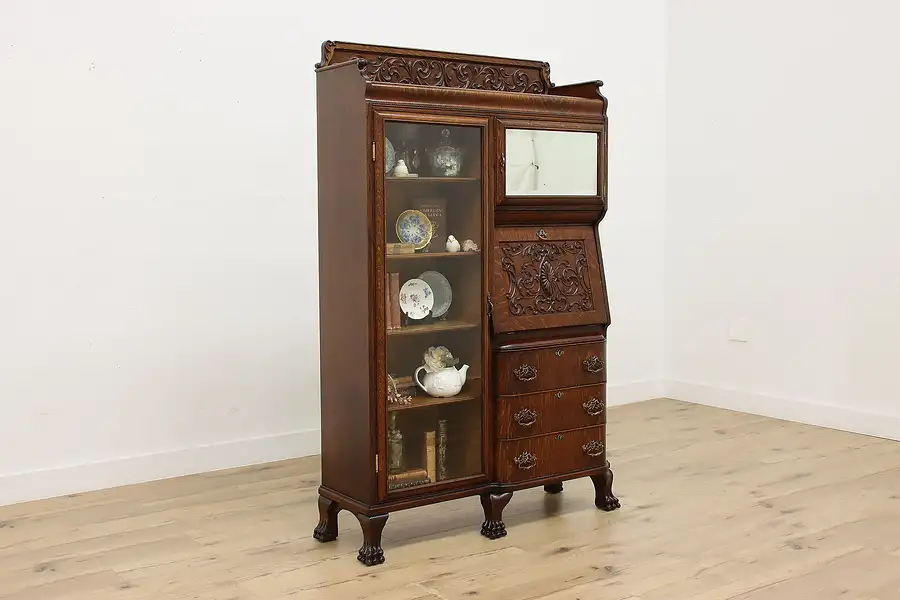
point(546, 277)
point(453, 74)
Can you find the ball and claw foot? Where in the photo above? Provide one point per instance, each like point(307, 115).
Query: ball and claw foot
point(371, 553)
point(327, 529)
point(493, 505)
point(553, 488)
point(603, 495)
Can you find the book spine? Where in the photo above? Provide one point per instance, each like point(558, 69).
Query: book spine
point(431, 455)
point(395, 300)
point(442, 450)
point(413, 475)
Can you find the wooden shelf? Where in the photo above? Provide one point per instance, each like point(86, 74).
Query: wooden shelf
point(434, 327)
point(426, 255)
point(434, 179)
point(471, 391)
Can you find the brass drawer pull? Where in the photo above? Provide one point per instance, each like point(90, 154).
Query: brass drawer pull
point(594, 406)
point(525, 372)
point(593, 364)
point(560, 395)
point(526, 417)
point(593, 448)
point(560, 352)
point(526, 460)
point(542, 234)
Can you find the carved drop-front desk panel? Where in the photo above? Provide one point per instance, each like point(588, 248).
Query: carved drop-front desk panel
point(515, 168)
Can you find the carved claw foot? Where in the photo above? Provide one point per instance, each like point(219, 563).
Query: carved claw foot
point(603, 494)
point(493, 505)
point(371, 553)
point(493, 529)
point(327, 529)
point(607, 503)
point(553, 488)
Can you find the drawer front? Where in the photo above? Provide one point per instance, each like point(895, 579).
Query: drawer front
point(526, 371)
point(554, 454)
point(536, 414)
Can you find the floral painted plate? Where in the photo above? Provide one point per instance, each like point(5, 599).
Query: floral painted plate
point(416, 299)
point(414, 227)
point(443, 293)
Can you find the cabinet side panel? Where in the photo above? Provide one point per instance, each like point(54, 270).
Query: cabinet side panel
point(345, 299)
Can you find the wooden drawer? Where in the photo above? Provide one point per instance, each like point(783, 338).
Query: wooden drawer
point(542, 456)
point(536, 414)
point(526, 371)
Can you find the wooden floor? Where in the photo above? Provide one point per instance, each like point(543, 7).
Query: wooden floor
point(716, 505)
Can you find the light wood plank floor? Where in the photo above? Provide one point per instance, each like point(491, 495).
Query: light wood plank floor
point(716, 505)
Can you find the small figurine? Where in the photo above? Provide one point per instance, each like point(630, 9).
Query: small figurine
point(401, 170)
point(469, 246)
point(452, 244)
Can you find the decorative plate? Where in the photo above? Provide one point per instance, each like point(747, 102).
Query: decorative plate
point(414, 227)
point(443, 293)
point(390, 157)
point(416, 299)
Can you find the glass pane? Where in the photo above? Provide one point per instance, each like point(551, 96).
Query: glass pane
point(551, 163)
point(435, 304)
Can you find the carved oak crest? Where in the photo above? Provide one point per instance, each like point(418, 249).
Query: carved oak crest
point(546, 277)
point(440, 69)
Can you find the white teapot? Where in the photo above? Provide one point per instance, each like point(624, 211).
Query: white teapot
point(444, 383)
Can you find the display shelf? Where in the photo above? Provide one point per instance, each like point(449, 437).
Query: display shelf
point(427, 255)
point(434, 327)
point(471, 391)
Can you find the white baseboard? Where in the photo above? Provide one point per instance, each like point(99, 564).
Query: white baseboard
point(636, 391)
point(824, 415)
point(48, 483)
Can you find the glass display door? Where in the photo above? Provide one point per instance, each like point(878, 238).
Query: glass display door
point(430, 192)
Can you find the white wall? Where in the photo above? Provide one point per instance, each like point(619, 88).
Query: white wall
point(158, 301)
point(783, 203)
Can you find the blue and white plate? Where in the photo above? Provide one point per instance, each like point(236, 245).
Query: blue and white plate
point(416, 299)
point(414, 227)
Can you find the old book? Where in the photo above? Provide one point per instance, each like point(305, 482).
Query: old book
point(410, 475)
point(399, 485)
point(395, 300)
point(442, 450)
point(389, 314)
point(431, 455)
point(401, 248)
point(436, 211)
point(406, 385)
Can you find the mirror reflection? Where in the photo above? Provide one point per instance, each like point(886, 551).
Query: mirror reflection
point(551, 163)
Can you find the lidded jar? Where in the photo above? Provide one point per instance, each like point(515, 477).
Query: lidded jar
point(446, 160)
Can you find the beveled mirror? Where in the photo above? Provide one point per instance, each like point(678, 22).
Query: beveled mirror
point(542, 162)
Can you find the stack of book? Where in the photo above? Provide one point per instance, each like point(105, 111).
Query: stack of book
point(392, 300)
point(408, 479)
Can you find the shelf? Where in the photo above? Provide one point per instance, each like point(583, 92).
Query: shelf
point(471, 391)
point(426, 255)
point(434, 179)
point(434, 327)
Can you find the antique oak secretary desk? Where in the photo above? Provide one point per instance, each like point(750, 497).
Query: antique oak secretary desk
point(507, 318)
